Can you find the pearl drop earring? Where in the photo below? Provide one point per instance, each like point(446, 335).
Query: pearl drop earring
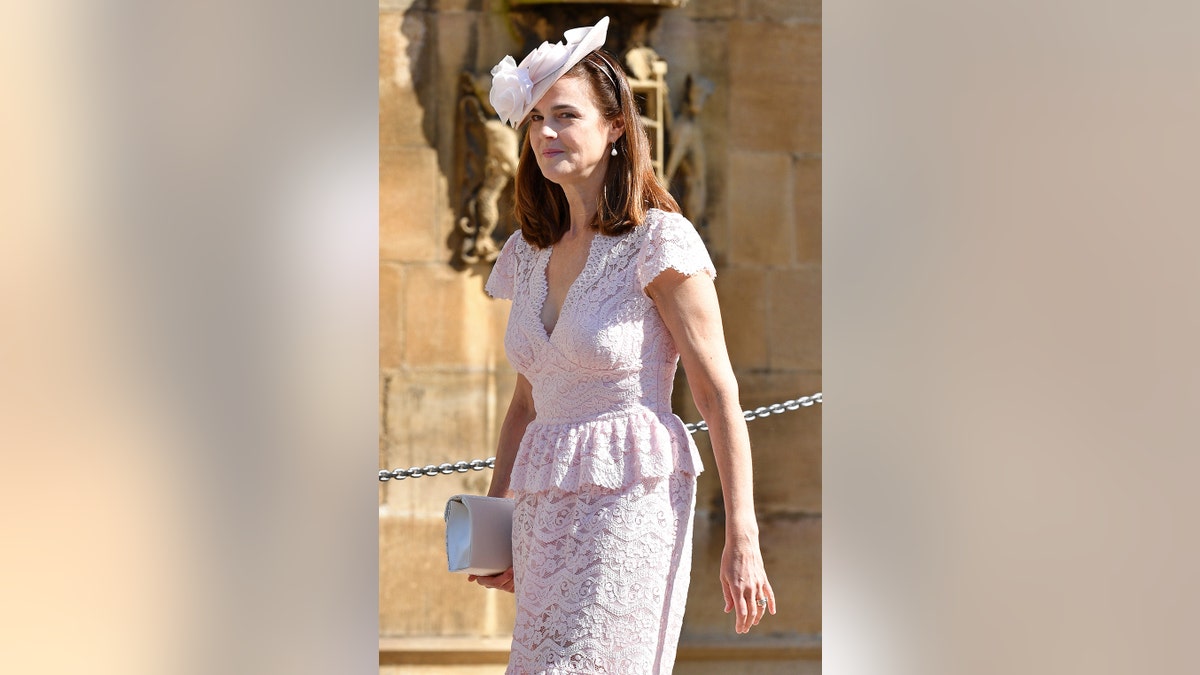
point(614, 150)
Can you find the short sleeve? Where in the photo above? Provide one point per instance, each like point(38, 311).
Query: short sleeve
point(504, 271)
point(671, 242)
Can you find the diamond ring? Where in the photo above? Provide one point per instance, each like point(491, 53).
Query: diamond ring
point(762, 602)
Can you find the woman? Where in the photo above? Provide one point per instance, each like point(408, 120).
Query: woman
point(611, 287)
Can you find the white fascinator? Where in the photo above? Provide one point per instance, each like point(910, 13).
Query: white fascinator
point(517, 87)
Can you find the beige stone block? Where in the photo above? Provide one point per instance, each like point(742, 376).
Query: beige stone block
point(447, 318)
point(806, 200)
point(765, 53)
point(385, 377)
point(503, 383)
point(782, 10)
point(784, 117)
point(417, 596)
point(758, 666)
point(705, 616)
point(786, 447)
point(401, 67)
point(434, 417)
point(775, 81)
point(503, 376)
point(408, 214)
point(795, 319)
point(455, 5)
point(402, 5)
point(442, 670)
point(458, 35)
point(792, 556)
point(708, 491)
point(759, 212)
point(498, 312)
point(712, 62)
point(711, 9)
point(391, 314)
point(743, 298)
point(664, 4)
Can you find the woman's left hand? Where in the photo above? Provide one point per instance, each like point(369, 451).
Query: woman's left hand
point(744, 582)
point(502, 581)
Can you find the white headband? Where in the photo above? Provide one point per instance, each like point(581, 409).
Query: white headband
point(516, 88)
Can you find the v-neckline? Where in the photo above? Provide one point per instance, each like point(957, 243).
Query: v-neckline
point(541, 306)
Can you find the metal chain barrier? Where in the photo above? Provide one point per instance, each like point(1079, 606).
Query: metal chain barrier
point(490, 462)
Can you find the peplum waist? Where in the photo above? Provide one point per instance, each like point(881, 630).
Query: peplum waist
point(613, 451)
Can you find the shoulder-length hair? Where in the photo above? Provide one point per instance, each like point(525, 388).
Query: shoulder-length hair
point(630, 186)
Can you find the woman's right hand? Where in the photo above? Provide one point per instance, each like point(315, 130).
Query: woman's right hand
point(502, 581)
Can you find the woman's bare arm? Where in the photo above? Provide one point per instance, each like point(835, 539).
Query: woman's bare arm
point(520, 413)
point(688, 306)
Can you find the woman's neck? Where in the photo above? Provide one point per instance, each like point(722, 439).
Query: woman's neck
point(583, 204)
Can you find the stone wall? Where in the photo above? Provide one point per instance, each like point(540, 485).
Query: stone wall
point(444, 380)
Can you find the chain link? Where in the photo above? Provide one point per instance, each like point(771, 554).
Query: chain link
point(490, 462)
point(764, 411)
point(435, 469)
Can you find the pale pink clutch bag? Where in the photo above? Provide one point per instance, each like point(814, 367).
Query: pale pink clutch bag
point(479, 534)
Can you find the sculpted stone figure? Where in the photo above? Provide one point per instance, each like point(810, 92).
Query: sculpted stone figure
point(641, 59)
point(487, 162)
point(687, 149)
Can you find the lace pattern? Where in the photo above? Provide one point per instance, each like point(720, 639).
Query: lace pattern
point(673, 244)
point(610, 355)
point(611, 452)
point(601, 578)
point(500, 281)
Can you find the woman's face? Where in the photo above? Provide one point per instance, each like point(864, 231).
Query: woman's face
point(569, 137)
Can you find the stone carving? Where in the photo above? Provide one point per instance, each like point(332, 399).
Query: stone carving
point(486, 157)
point(647, 79)
point(687, 150)
point(641, 59)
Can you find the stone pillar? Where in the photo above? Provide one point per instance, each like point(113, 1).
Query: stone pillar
point(444, 380)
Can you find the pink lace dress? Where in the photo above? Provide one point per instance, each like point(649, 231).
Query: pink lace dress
point(605, 476)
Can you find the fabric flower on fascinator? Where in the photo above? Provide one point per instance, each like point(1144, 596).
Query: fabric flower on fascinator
point(512, 90)
point(517, 87)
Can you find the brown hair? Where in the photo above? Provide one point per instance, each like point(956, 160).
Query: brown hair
point(630, 186)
